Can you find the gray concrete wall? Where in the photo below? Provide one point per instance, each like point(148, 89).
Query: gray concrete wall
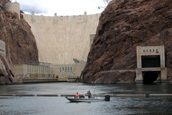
point(92, 36)
point(44, 71)
point(66, 71)
point(60, 39)
point(28, 71)
point(2, 48)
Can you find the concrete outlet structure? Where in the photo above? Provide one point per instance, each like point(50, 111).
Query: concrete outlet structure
point(151, 64)
point(2, 48)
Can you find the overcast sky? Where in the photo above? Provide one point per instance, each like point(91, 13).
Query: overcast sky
point(61, 7)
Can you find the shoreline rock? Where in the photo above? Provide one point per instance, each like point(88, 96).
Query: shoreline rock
point(123, 26)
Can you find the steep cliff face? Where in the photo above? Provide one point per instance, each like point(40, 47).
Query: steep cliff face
point(19, 40)
point(124, 25)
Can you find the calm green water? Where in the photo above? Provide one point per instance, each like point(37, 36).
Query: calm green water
point(61, 106)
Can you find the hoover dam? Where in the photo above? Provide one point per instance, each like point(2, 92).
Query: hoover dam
point(126, 48)
point(60, 39)
point(62, 43)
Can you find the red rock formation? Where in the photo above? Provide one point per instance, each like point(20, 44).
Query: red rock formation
point(124, 25)
point(20, 42)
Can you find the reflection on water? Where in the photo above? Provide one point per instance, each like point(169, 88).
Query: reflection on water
point(60, 105)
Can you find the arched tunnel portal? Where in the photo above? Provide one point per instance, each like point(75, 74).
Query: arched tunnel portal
point(150, 77)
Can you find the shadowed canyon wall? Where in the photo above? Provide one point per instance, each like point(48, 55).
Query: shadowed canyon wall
point(20, 45)
point(124, 25)
point(60, 39)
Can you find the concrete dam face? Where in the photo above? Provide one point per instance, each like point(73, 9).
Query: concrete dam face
point(61, 39)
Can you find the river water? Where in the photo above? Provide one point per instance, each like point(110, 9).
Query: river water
point(14, 105)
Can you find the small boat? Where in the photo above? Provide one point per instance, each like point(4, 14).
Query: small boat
point(72, 99)
point(83, 99)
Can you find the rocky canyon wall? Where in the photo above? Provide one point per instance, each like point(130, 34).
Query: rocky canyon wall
point(60, 39)
point(19, 41)
point(124, 25)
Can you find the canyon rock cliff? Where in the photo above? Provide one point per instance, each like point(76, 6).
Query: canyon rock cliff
point(124, 25)
point(19, 41)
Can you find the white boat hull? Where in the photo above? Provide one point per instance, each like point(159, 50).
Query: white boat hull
point(83, 99)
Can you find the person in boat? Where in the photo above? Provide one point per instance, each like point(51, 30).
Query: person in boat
point(77, 95)
point(89, 94)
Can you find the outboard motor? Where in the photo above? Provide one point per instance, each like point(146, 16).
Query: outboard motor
point(107, 97)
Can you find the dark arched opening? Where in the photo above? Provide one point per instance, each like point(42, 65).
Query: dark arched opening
point(149, 77)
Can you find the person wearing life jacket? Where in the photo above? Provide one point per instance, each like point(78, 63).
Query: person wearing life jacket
point(77, 95)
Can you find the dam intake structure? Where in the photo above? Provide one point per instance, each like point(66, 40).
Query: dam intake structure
point(151, 64)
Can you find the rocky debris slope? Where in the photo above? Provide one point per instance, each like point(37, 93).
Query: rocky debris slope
point(124, 25)
point(19, 40)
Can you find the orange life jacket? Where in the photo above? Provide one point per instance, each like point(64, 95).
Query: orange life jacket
point(77, 95)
